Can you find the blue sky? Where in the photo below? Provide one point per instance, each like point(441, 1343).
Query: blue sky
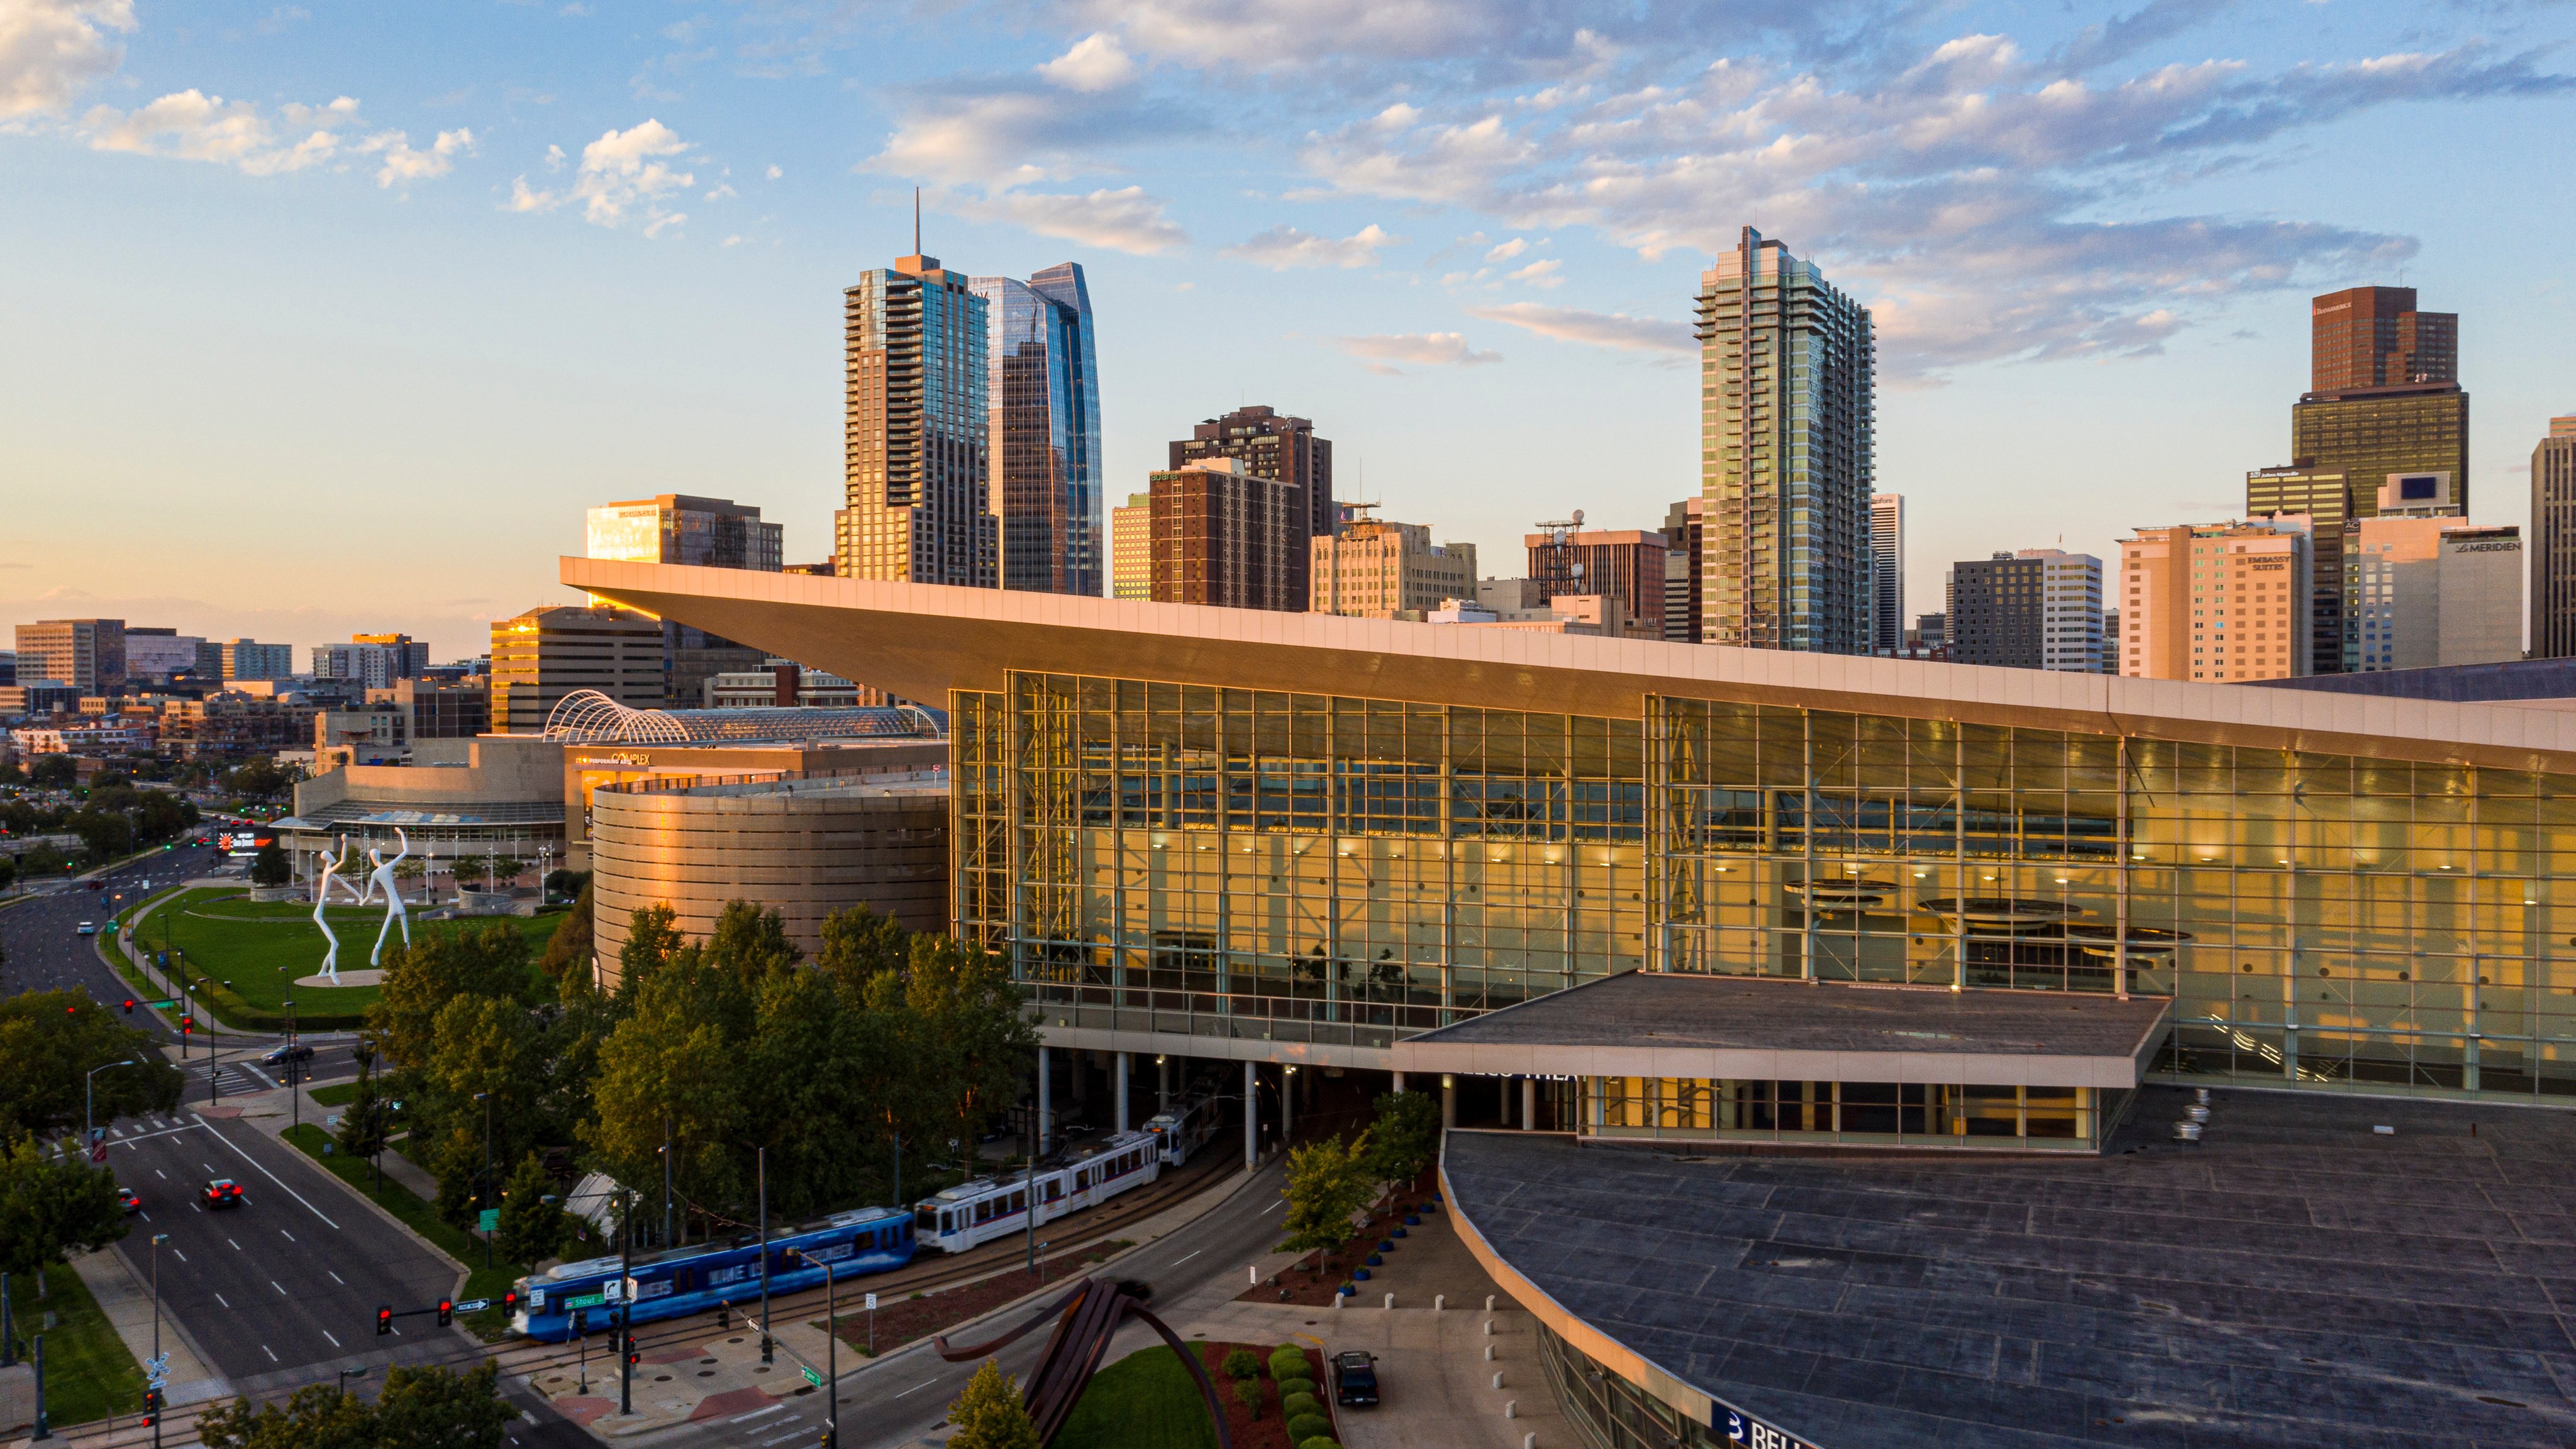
point(323, 318)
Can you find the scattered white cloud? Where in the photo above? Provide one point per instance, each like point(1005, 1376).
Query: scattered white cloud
point(723, 189)
point(1420, 349)
point(1285, 248)
point(774, 173)
point(731, 241)
point(1095, 63)
point(283, 16)
point(1126, 219)
point(190, 125)
point(1615, 330)
point(1508, 250)
point(1540, 273)
point(51, 49)
point(555, 158)
point(402, 163)
point(623, 175)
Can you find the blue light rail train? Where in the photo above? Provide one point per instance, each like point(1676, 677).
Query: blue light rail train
point(682, 1281)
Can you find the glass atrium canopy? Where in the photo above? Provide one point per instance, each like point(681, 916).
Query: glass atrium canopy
point(589, 717)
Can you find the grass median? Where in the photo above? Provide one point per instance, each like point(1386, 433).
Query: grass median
point(88, 1372)
point(421, 1218)
point(249, 954)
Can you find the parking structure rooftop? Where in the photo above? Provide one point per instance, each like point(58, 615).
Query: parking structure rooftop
point(2295, 1279)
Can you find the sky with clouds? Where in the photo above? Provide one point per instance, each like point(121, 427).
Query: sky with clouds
point(323, 318)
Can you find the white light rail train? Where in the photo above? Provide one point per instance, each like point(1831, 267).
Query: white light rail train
point(980, 1211)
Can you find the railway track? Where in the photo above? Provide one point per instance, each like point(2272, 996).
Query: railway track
point(523, 1359)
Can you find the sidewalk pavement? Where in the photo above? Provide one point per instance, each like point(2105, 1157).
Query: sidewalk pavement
point(125, 1296)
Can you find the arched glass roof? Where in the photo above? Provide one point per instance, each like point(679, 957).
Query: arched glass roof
point(589, 717)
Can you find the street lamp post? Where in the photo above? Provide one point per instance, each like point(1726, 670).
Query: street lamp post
point(831, 1351)
point(157, 1240)
point(484, 1198)
point(89, 1104)
point(294, 1098)
point(340, 1379)
point(626, 1304)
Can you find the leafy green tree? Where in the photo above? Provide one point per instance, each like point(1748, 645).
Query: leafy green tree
point(1249, 1391)
point(422, 978)
point(52, 1202)
point(103, 834)
point(434, 1408)
point(653, 941)
point(42, 859)
point(966, 1032)
point(859, 945)
point(316, 1417)
point(8, 871)
point(270, 866)
point(53, 772)
point(420, 1408)
point(265, 781)
point(49, 1040)
point(1405, 1137)
point(571, 944)
point(1329, 1183)
point(531, 1229)
point(989, 1415)
point(366, 1125)
point(480, 1046)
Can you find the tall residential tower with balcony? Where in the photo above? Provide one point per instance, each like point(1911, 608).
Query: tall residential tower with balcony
point(916, 430)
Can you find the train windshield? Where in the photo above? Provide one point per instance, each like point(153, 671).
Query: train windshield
point(925, 1219)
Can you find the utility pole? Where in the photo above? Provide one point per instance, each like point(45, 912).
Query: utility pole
point(295, 1098)
point(831, 1351)
point(626, 1306)
point(160, 1366)
point(666, 1178)
point(484, 1197)
point(761, 1156)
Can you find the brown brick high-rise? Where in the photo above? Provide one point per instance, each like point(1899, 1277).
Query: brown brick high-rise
point(1285, 450)
point(2374, 337)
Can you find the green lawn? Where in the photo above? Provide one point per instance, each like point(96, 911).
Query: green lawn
point(255, 952)
point(421, 1218)
point(1146, 1400)
point(88, 1373)
point(339, 1096)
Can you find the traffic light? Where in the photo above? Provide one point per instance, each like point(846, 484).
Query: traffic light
point(633, 1356)
point(384, 1319)
point(129, 1006)
point(446, 1312)
point(509, 1302)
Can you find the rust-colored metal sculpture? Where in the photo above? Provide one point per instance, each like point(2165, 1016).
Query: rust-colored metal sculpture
point(1086, 1319)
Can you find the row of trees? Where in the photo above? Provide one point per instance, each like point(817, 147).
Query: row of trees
point(111, 818)
point(1333, 1183)
point(707, 1055)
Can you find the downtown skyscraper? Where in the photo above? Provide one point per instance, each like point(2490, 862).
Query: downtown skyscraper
point(1043, 398)
point(1787, 402)
point(916, 430)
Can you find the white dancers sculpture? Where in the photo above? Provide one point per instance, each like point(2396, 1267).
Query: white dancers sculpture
point(321, 902)
point(383, 879)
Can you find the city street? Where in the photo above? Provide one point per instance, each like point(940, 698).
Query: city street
point(41, 935)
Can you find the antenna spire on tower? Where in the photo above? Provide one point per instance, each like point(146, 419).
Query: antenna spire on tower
point(916, 221)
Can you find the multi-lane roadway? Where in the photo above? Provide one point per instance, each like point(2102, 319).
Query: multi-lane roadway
point(282, 1289)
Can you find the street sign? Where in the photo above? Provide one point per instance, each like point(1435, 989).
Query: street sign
point(489, 1219)
point(587, 1300)
point(813, 1378)
point(473, 1305)
point(872, 1303)
point(161, 1005)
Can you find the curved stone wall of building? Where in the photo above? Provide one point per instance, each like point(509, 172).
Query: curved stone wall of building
point(805, 848)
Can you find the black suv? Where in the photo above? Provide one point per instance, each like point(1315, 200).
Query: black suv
point(1355, 1378)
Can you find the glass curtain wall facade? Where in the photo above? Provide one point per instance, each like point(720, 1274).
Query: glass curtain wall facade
point(1296, 867)
point(1044, 395)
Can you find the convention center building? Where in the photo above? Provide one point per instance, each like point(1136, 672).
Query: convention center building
point(1885, 960)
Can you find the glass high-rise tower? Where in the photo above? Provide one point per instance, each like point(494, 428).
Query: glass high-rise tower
point(916, 431)
point(1043, 398)
point(1787, 399)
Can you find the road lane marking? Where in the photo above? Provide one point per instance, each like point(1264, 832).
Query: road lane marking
point(219, 1298)
point(917, 1388)
point(236, 1247)
point(756, 1414)
point(156, 1172)
point(290, 1237)
point(1185, 1257)
point(281, 1292)
point(272, 1354)
point(783, 1438)
point(264, 1172)
point(182, 1256)
point(336, 1278)
point(335, 1341)
point(1274, 1207)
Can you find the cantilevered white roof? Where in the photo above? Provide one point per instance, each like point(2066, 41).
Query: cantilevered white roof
point(922, 640)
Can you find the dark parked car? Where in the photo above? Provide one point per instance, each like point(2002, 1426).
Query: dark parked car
point(221, 1192)
point(1355, 1379)
point(295, 1051)
point(126, 1199)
